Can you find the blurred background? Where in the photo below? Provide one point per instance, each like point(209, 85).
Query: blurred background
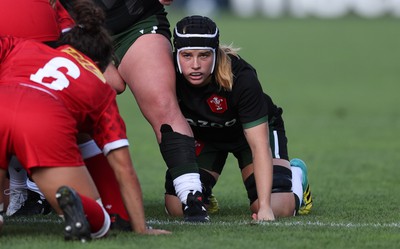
point(295, 8)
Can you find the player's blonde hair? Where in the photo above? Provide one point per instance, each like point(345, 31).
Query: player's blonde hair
point(223, 71)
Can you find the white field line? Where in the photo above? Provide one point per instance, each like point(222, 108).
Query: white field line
point(153, 222)
point(283, 224)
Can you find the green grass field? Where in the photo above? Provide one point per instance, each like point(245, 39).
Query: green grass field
point(338, 82)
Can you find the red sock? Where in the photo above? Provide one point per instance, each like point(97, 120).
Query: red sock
point(107, 185)
point(94, 213)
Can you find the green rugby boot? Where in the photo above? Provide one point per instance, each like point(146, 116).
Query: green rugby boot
point(307, 202)
point(213, 206)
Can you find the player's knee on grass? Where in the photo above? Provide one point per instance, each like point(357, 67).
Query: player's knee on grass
point(173, 206)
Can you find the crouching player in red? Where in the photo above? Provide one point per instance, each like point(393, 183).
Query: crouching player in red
point(47, 97)
point(49, 20)
point(41, 20)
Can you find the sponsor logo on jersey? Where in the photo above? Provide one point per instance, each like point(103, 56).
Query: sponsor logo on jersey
point(217, 103)
point(88, 65)
point(209, 124)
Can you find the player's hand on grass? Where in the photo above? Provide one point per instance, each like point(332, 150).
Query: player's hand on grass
point(264, 215)
point(151, 231)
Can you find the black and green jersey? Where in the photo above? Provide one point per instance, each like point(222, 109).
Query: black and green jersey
point(122, 14)
point(217, 115)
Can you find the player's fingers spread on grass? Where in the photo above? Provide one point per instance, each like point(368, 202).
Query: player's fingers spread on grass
point(263, 217)
point(157, 231)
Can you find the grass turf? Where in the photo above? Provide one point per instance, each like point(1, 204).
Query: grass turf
point(338, 82)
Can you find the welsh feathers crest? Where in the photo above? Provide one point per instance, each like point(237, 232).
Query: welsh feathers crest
point(217, 103)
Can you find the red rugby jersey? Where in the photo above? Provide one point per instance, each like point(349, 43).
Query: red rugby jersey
point(34, 19)
point(71, 77)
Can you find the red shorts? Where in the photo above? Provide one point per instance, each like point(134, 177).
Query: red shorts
point(36, 128)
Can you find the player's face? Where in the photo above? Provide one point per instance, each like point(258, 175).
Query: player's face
point(196, 65)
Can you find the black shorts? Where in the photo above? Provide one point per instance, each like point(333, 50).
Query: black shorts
point(212, 156)
point(155, 24)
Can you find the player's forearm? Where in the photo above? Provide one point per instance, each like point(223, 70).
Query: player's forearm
point(258, 140)
point(131, 192)
point(133, 200)
point(263, 176)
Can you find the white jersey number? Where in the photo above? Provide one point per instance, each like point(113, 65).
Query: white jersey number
point(51, 70)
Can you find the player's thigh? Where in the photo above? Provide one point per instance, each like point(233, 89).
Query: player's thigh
point(49, 179)
point(146, 60)
point(148, 64)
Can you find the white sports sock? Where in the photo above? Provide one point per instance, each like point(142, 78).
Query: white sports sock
point(186, 183)
point(34, 188)
point(297, 186)
point(18, 174)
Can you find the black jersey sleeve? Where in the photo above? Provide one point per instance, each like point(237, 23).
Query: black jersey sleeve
point(247, 90)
